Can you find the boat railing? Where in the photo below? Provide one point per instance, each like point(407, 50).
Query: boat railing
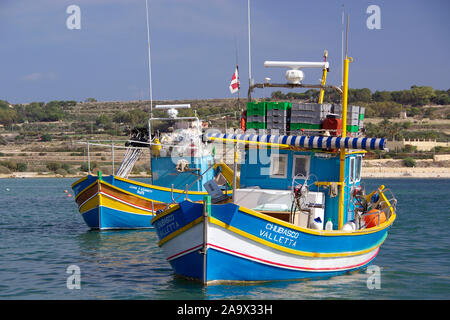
point(114, 145)
point(390, 203)
point(186, 190)
point(387, 208)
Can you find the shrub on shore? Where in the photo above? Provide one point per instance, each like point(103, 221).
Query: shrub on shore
point(409, 162)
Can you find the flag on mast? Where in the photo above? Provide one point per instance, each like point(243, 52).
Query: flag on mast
point(235, 85)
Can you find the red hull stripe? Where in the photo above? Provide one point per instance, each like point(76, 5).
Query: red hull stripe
point(293, 267)
point(183, 252)
point(177, 255)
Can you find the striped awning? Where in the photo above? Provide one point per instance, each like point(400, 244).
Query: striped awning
point(309, 142)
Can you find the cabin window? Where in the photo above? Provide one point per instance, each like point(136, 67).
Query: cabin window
point(301, 166)
point(352, 170)
point(278, 165)
point(358, 168)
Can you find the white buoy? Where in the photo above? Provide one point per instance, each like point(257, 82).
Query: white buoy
point(349, 226)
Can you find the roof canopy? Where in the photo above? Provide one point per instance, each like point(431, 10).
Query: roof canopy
point(309, 142)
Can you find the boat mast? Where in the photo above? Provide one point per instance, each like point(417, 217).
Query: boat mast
point(347, 60)
point(149, 125)
point(342, 46)
point(324, 77)
point(149, 62)
point(249, 50)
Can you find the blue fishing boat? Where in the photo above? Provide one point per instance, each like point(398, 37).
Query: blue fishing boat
point(260, 237)
point(180, 161)
point(301, 211)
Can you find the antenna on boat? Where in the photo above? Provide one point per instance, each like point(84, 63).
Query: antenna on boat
point(249, 47)
point(149, 125)
point(237, 68)
point(342, 46)
point(149, 66)
point(346, 39)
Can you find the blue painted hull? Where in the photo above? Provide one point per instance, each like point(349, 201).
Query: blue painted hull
point(106, 218)
point(239, 249)
point(126, 204)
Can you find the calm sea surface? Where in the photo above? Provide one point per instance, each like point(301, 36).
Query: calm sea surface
point(42, 234)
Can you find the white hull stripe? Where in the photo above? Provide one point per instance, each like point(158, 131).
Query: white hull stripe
point(245, 256)
point(184, 252)
point(272, 263)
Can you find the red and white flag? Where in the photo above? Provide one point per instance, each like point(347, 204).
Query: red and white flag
point(235, 85)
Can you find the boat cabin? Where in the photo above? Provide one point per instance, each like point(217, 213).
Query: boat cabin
point(317, 170)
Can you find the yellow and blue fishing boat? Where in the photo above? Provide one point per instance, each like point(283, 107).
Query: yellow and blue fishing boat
point(300, 212)
point(182, 160)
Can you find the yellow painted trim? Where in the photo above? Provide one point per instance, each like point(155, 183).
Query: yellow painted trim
point(129, 193)
point(322, 183)
point(342, 151)
point(275, 246)
point(356, 151)
point(324, 79)
point(90, 204)
point(79, 181)
point(227, 172)
point(165, 213)
point(179, 231)
point(106, 201)
point(288, 250)
point(160, 188)
point(319, 232)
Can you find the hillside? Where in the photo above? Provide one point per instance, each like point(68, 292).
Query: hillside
point(52, 147)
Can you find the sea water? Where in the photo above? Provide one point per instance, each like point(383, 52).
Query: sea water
point(45, 247)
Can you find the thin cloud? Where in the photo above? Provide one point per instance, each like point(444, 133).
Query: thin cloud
point(38, 76)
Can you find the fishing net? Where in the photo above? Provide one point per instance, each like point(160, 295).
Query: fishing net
point(134, 151)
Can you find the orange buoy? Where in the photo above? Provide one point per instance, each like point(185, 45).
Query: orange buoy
point(371, 218)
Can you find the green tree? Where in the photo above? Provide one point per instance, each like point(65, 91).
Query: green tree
point(278, 95)
point(8, 115)
point(359, 95)
point(421, 95)
point(380, 96)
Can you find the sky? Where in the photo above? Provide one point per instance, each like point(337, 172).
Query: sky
point(195, 45)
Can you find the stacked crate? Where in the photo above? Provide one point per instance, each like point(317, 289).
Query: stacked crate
point(355, 117)
point(361, 117)
point(308, 116)
point(277, 116)
point(256, 115)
